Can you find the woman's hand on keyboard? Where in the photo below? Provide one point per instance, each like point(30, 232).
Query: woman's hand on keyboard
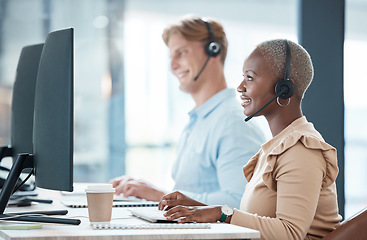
point(200, 214)
point(176, 198)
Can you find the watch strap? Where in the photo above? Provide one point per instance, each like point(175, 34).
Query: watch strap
point(223, 217)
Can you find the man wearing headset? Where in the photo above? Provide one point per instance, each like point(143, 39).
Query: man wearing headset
point(216, 143)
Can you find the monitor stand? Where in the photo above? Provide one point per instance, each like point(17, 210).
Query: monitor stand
point(26, 201)
point(24, 161)
point(26, 194)
point(5, 151)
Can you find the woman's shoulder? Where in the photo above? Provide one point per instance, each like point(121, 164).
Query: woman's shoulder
point(305, 150)
point(300, 142)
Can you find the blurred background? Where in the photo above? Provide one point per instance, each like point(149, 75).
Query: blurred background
point(129, 111)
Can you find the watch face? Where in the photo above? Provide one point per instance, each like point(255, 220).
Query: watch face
point(227, 210)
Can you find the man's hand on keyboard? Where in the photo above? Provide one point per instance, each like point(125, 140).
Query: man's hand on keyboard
point(137, 188)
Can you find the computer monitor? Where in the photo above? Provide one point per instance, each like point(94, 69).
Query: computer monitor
point(53, 113)
point(22, 106)
point(52, 157)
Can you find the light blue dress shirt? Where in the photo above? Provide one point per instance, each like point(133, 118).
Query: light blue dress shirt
point(212, 150)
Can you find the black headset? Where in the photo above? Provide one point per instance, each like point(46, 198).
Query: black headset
point(212, 48)
point(284, 88)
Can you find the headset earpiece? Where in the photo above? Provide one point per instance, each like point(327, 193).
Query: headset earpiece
point(213, 47)
point(285, 87)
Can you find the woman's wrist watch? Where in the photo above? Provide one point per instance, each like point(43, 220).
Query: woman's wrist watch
point(226, 212)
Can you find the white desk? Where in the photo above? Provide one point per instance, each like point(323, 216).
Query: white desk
point(121, 216)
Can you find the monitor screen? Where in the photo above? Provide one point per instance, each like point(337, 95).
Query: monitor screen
point(53, 113)
point(23, 100)
point(22, 106)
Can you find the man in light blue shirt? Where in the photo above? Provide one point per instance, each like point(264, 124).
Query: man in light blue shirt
point(217, 142)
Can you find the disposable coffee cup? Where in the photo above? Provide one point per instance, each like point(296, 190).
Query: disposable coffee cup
point(100, 199)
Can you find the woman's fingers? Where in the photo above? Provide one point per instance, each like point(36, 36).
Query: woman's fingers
point(194, 214)
point(169, 200)
point(179, 212)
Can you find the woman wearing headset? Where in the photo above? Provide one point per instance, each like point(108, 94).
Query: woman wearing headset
point(291, 193)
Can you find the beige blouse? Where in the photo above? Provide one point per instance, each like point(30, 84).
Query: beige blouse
point(291, 192)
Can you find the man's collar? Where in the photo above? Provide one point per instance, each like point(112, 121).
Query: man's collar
point(205, 109)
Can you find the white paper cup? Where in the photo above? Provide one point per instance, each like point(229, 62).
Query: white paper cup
point(100, 199)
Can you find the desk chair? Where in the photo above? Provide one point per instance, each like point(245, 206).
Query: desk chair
point(23, 103)
point(353, 228)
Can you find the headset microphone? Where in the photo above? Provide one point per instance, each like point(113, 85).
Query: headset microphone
point(212, 49)
point(284, 88)
point(201, 70)
point(282, 91)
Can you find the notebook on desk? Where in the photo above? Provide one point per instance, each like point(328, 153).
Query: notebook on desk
point(79, 190)
point(83, 204)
